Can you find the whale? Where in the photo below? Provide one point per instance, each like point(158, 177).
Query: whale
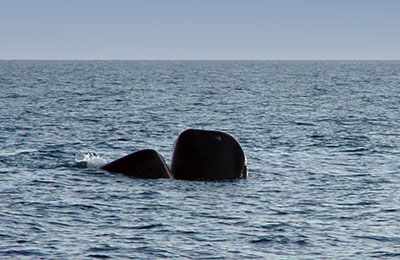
point(208, 155)
point(145, 164)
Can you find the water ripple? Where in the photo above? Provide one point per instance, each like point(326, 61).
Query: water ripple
point(321, 138)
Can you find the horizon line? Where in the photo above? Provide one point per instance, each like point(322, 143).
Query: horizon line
point(34, 59)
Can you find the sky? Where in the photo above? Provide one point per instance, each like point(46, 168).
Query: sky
point(200, 29)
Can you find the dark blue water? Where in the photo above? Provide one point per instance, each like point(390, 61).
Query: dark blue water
point(322, 140)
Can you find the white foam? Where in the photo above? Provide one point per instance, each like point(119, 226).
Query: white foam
point(90, 159)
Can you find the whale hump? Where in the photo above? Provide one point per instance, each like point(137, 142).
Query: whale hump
point(147, 164)
point(208, 155)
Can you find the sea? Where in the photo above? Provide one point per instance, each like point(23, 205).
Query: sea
point(322, 140)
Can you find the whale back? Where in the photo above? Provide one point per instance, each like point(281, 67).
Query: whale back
point(147, 164)
point(207, 155)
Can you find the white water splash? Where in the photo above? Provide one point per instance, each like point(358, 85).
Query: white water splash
point(89, 160)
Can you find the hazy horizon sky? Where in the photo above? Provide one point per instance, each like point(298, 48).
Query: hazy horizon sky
point(200, 30)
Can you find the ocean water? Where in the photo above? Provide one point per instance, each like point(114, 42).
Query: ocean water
point(322, 139)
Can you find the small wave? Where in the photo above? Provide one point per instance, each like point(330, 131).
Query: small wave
point(280, 239)
point(103, 248)
point(383, 254)
point(150, 226)
point(17, 152)
point(89, 160)
point(23, 252)
point(304, 123)
point(99, 256)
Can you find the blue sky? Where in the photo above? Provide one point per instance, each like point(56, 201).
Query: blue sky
point(200, 29)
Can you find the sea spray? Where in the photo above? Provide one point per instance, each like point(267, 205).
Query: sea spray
point(89, 160)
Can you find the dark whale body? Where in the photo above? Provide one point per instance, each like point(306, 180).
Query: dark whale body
point(147, 164)
point(208, 155)
point(198, 155)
